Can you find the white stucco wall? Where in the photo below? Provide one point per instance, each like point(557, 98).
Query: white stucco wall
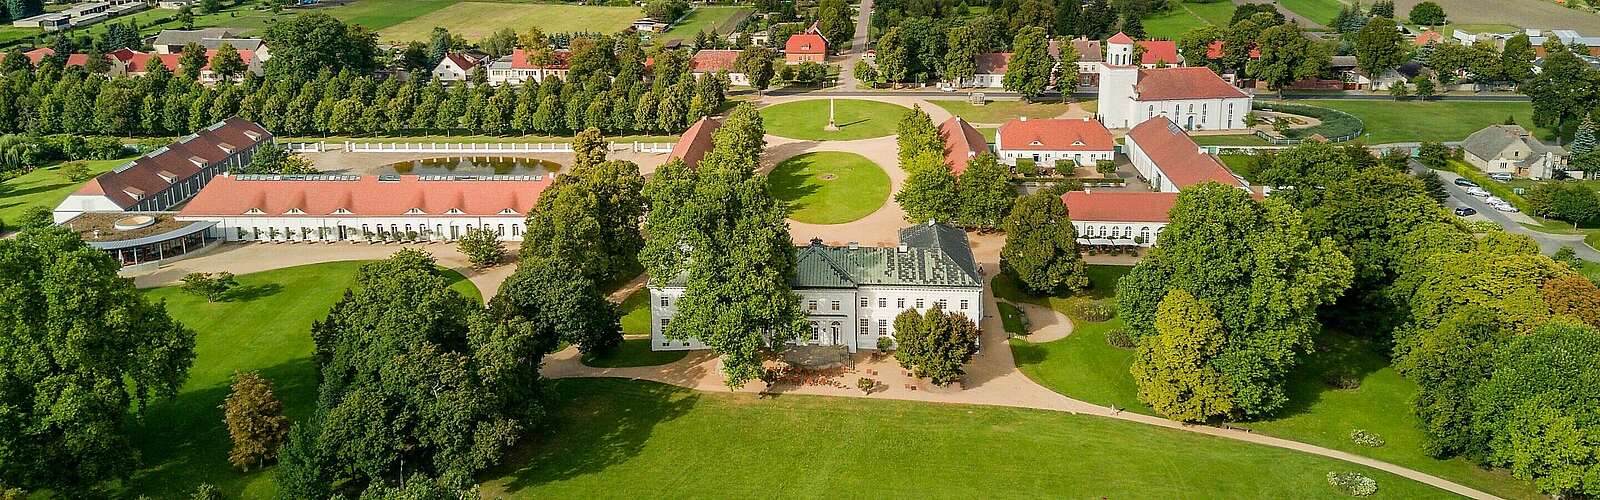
point(878, 306)
point(309, 228)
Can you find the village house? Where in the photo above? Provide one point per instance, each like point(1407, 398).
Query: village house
point(805, 47)
point(515, 68)
point(1195, 98)
point(1511, 149)
point(711, 62)
point(852, 293)
point(1081, 141)
point(456, 66)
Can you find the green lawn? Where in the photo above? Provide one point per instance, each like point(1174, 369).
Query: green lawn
point(1319, 11)
point(1185, 16)
point(634, 352)
point(266, 327)
point(477, 20)
point(616, 438)
point(477, 139)
point(380, 14)
point(856, 118)
point(829, 187)
point(998, 112)
point(706, 18)
point(1229, 140)
point(1084, 366)
point(44, 187)
point(636, 312)
point(1013, 319)
point(1415, 121)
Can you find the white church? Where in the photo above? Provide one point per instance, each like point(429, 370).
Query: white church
point(1194, 98)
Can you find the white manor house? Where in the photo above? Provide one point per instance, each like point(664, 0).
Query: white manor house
point(851, 294)
point(1193, 97)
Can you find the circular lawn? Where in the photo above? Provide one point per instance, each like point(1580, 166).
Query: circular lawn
point(829, 187)
point(856, 119)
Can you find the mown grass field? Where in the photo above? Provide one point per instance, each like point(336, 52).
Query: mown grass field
point(265, 325)
point(633, 352)
point(998, 112)
point(856, 118)
point(1185, 16)
point(380, 14)
point(1412, 121)
point(829, 187)
point(1319, 11)
point(707, 18)
point(477, 20)
point(44, 187)
point(618, 438)
point(1546, 14)
point(1084, 366)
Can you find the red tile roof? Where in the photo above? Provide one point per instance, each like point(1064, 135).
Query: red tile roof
point(1055, 135)
point(712, 61)
point(1161, 84)
point(991, 63)
point(36, 55)
point(1214, 51)
point(1118, 206)
point(695, 142)
point(1120, 37)
point(1159, 51)
point(961, 142)
point(1428, 37)
point(368, 196)
point(1176, 155)
point(806, 43)
point(519, 59)
point(461, 60)
point(147, 174)
point(1088, 50)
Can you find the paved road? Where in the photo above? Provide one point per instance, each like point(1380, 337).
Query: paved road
point(858, 46)
point(1548, 243)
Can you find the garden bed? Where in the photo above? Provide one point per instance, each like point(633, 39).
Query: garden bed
point(1335, 126)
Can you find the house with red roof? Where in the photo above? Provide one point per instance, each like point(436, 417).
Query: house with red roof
point(805, 47)
point(331, 207)
point(1090, 55)
point(1081, 141)
point(1195, 98)
point(1165, 157)
point(990, 67)
point(129, 62)
point(167, 177)
point(457, 66)
point(1159, 53)
point(520, 66)
point(989, 70)
point(711, 62)
point(962, 143)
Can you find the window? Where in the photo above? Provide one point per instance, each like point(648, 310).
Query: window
point(883, 302)
point(900, 303)
point(835, 305)
point(665, 344)
point(664, 322)
point(883, 327)
point(863, 302)
point(941, 303)
point(863, 326)
point(963, 305)
point(919, 304)
point(811, 305)
point(665, 301)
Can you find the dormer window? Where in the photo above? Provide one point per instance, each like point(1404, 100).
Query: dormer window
point(197, 161)
point(1077, 143)
point(341, 211)
point(295, 211)
point(226, 148)
point(133, 192)
point(254, 211)
point(415, 211)
point(508, 212)
point(168, 176)
point(252, 135)
point(1036, 143)
point(454, 211)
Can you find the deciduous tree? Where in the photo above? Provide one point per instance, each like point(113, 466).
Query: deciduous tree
point(1030, 69)
point(935, 344)
point(930, 190)
point(255, 421)
point(985, 192)
point(1174, 368)
point(1041, 253)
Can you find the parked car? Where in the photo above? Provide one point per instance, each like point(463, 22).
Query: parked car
point(1501, 176)
point(1504, 207)
point(1465, 211)
point(1477, 191)
point(1463, 182)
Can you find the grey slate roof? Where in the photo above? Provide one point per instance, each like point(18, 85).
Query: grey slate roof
point(929, 255)
point(1492, 140)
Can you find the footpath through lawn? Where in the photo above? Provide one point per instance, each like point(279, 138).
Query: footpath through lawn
point(1085, 366)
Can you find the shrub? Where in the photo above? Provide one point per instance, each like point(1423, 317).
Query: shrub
point(885, 343)
point(1027, 167)
point(35, 218)
point(1364, 438)
point(1092, 311)
point(1106, 167)
point(482, 247)
point(207, 491)
point(1120, 339)
point(75, 171)
point(1482, 226)
point(866, 385)
point(212, 286)
point(1352, 483)
point(1066, 167)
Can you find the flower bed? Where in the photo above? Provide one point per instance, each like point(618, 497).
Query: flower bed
point(1336, 126)
point(1352, 483)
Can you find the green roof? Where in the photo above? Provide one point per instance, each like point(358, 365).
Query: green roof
point(929, 255)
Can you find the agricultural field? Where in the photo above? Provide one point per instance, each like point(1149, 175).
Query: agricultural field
point(477, 20)
point(721, 19)
point(1185, 16)
point(1543, 14)
point(379, 14)
point(1319, 11)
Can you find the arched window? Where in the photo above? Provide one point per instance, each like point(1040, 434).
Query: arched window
point(1145, 233)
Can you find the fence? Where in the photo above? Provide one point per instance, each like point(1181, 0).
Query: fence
point(304, 147)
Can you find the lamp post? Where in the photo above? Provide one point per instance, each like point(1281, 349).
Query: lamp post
point(832, 127)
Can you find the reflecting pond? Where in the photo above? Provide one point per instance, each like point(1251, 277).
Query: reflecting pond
point(473, 165)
